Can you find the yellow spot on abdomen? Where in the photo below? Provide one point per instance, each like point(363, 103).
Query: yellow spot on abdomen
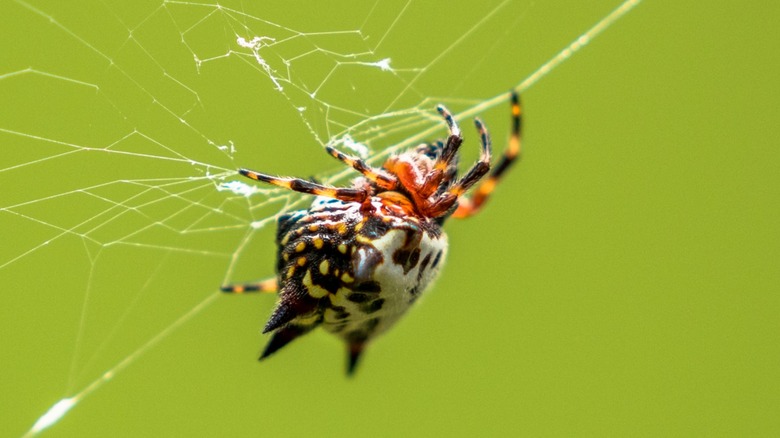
point(312, 289)
point(300, 246)
point(324, 267)
point(317, 292)
point(346, 278)
point(339, 298)
point(301, 261)
point(307, 319)
point(363, 239)
point(342, 248)
point(318, 243)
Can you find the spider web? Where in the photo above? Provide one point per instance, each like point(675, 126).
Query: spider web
point(122, 129)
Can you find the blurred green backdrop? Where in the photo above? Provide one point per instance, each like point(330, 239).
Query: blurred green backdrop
point(623, 280)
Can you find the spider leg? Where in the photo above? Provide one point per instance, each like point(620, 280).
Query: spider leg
point(303, 186)
point(446, 200)
point(453, 141)
point(378, 176)
point(435, 179)
point(268, 285)
point(470, 206)
point(480, 168)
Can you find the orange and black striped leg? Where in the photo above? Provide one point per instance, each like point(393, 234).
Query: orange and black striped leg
point(269, 285)
point(311, 188)
point(480, 168)
point(378, 176)
point(443, 168)
point(471, 206)
point(446, 200)
point(453, 141)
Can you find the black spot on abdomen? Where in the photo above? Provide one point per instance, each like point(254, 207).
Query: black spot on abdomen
point(407, 259)
point(423, 266)
point(368, 286)
point(437, 259)
point(373, 306)
point(357, 297)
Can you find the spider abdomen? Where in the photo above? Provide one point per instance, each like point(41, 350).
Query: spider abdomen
point(353, 270)
point(398, 273)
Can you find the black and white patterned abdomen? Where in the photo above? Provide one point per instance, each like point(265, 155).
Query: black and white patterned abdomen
point(399, 272)
point(355, 272)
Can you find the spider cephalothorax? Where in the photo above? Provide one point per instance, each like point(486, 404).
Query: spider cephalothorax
point(359, 257)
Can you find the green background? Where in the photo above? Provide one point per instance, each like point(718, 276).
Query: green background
point(623, 280)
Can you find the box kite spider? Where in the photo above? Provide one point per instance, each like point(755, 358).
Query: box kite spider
point(359, 257)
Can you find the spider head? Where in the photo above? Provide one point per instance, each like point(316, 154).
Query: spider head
point(424, 175)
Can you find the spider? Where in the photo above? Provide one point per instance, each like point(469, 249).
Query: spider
point(359, 257)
